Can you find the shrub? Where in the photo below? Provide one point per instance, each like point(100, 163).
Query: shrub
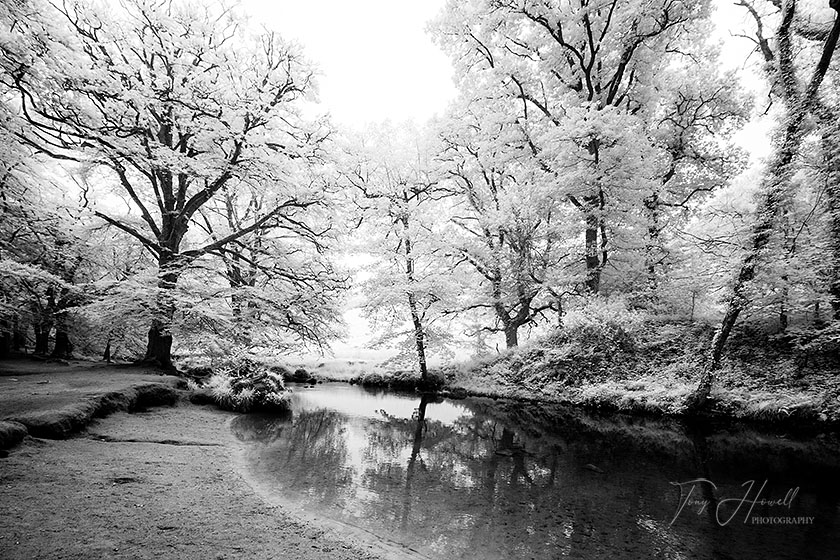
point(300, 375)
point(406, 380)
point(602, 324)
point(244, 385)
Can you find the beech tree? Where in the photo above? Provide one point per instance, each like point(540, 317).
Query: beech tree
point(174, 103)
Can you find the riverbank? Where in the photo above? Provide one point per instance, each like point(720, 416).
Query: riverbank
point(159, 484)
point(118, 476)
point(651, 370)
point(654, 369)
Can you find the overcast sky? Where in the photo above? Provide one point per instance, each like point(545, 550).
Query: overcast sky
point(375, 57)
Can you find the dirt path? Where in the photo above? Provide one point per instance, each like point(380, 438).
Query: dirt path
point(160, 484)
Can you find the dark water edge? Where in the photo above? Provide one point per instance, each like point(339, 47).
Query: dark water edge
point(481, 478)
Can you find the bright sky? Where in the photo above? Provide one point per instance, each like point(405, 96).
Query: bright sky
point(376, 60)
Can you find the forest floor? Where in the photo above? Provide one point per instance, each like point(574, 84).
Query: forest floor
point(166, 482)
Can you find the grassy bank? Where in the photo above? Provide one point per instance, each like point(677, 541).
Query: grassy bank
point(653, 367)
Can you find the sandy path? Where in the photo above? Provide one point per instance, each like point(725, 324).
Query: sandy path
point(160, 484)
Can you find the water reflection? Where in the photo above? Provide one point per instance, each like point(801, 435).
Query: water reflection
point(477, 479)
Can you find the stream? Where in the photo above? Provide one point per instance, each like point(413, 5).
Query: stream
point(485, 479)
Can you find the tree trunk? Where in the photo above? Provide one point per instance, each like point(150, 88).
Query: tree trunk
point(42, 338)
point(18, 335)
point(776, 198)
point(831, 150)
point(783, 307)
point(419, 338)
point(512, 336)
point(653, 248)
point(5, 340)
point(416, 320)
point(159, 345)
point(593, 263)
point(63, 348)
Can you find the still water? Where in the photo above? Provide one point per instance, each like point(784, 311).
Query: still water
point(483, 479)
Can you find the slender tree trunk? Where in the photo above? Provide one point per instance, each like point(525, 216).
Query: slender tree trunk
point(419, 337)
point(106, 355)
point(560, 311)
point(653, 247)
point(831, 149)
point(775, 199)
point(593, 263)
point(416, 320)
point(783, 306)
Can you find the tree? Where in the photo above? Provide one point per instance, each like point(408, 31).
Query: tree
point(776, 193)
point(399, 196)
point(583, 75)
point(44, 256)
point(174, 103)
point(690, 125)
point(509, 228)
point(280, 280)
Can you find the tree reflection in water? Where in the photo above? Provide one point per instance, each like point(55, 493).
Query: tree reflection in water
point(484, 480)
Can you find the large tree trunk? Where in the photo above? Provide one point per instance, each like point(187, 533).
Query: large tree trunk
point(106, 355)
point(159, 345)
point(42, 337)
point(5, 340)
point(18, 335)
point(776, 197)
point(595, 250)
point(63, 348)
point(512, 336)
